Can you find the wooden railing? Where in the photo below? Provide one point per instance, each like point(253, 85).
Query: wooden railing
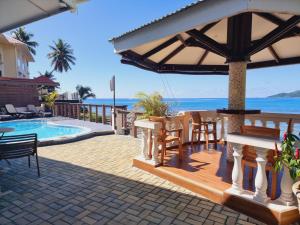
point(86, 112)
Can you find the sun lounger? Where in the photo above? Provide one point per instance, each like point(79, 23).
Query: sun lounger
point(20, 112)
point(37, 111)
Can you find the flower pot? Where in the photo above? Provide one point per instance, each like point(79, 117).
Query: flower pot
point(296, 191)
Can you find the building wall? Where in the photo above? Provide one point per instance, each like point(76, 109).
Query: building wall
point(9, 60)
point(18, 93)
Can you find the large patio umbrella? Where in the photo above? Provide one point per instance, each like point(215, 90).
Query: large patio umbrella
point(212, 37)
point(16, 13)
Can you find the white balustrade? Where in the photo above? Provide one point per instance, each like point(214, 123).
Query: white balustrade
point(150, 131)
point(237, 172)
point(287, 196)
point(261, 181)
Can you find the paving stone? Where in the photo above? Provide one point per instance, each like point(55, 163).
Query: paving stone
point(93, 182)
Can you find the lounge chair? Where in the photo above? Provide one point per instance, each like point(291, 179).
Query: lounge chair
point(19, 146)
point(4, 115)
point(40, 112)
point(14, 112)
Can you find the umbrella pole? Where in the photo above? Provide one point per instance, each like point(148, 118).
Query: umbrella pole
point(236, 99)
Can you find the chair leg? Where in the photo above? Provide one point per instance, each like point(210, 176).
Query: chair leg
point(274, 185)
point(180, 151)
point(163, 146)
point(206, 140)
point(29, 161)
point(215, 140)
point(192, 141)
point(37, 164)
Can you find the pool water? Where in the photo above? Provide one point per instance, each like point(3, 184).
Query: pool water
point(43, 129)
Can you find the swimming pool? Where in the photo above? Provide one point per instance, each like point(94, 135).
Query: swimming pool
point(44, 129)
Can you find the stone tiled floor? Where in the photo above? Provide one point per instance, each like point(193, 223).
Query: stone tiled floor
point(92, 182)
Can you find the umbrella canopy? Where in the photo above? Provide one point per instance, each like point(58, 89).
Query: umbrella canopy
point(202, 38)
point(16, 13)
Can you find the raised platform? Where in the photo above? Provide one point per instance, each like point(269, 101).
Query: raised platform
point(209, 174)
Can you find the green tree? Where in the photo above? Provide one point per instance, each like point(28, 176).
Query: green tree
point(48, 74)
point(50, 99)
point(84, 92)
point(62, 56)
point(152, 104)
point(22, 35)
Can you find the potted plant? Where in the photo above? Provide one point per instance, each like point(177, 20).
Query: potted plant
point(152, 104)
point(289, 158)
point(50, 100)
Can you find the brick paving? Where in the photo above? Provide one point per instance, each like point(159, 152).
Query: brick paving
point(93, 182)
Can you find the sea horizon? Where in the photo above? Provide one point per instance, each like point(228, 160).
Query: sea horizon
point(266, 104)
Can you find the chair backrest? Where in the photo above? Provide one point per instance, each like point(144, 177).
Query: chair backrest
point(196, 118)
point(18, 146)
point(261, 131)
point(10, 108)
point(32, 108)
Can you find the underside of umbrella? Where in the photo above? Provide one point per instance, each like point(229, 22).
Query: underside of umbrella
point(204, 37)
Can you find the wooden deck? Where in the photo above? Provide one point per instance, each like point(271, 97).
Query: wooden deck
point(208, 173)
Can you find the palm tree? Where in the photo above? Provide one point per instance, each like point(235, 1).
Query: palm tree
point(152, 104)
point(84, 92)
point(48, 74)
point(62, 56)
point(22, 35)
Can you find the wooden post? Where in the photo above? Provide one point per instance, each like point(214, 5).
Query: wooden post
point(83, 112)
point(97, 114)
point(78, 111)
point(90, 113)
point(103, 114)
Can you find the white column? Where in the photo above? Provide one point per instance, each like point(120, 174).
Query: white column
point(155, 148)
point(261, 181)
point(286, 197)
point(237, 172)
point(236, 98)
point(144, 144)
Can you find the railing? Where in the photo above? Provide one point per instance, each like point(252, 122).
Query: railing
point(272, 120)
point(262, 146)
point(86, 112)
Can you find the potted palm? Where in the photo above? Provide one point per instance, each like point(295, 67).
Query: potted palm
point(289, 158)
point(152, 104)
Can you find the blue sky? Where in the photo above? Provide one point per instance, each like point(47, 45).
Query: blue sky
point(96, 21)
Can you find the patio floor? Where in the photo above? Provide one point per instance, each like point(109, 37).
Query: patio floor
point(93, 182)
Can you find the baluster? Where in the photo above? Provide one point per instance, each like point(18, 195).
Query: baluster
point(252, 122)
point(84, 112)
point(144, 145)
point(264, 123)
point(90, 113)
point(261, 181)
point(237, 172)
point(103, 114)
point(286, 197)
point(78, 111)
point(155, 148)
point(97, 114)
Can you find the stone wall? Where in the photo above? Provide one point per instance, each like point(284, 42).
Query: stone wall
point(18, 93)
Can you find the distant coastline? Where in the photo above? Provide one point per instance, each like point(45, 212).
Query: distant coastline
point(293, 94)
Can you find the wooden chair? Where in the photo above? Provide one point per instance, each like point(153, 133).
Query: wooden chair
point(203, 127)
point(249, 153)
point(169, 134)
point(18, 146)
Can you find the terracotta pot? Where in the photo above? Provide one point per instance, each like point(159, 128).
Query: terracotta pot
point(296, 191)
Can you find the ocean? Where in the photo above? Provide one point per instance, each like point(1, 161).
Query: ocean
point(277, 105)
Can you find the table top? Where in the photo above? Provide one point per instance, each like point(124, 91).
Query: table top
point(6, 129)
point(256, 141)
